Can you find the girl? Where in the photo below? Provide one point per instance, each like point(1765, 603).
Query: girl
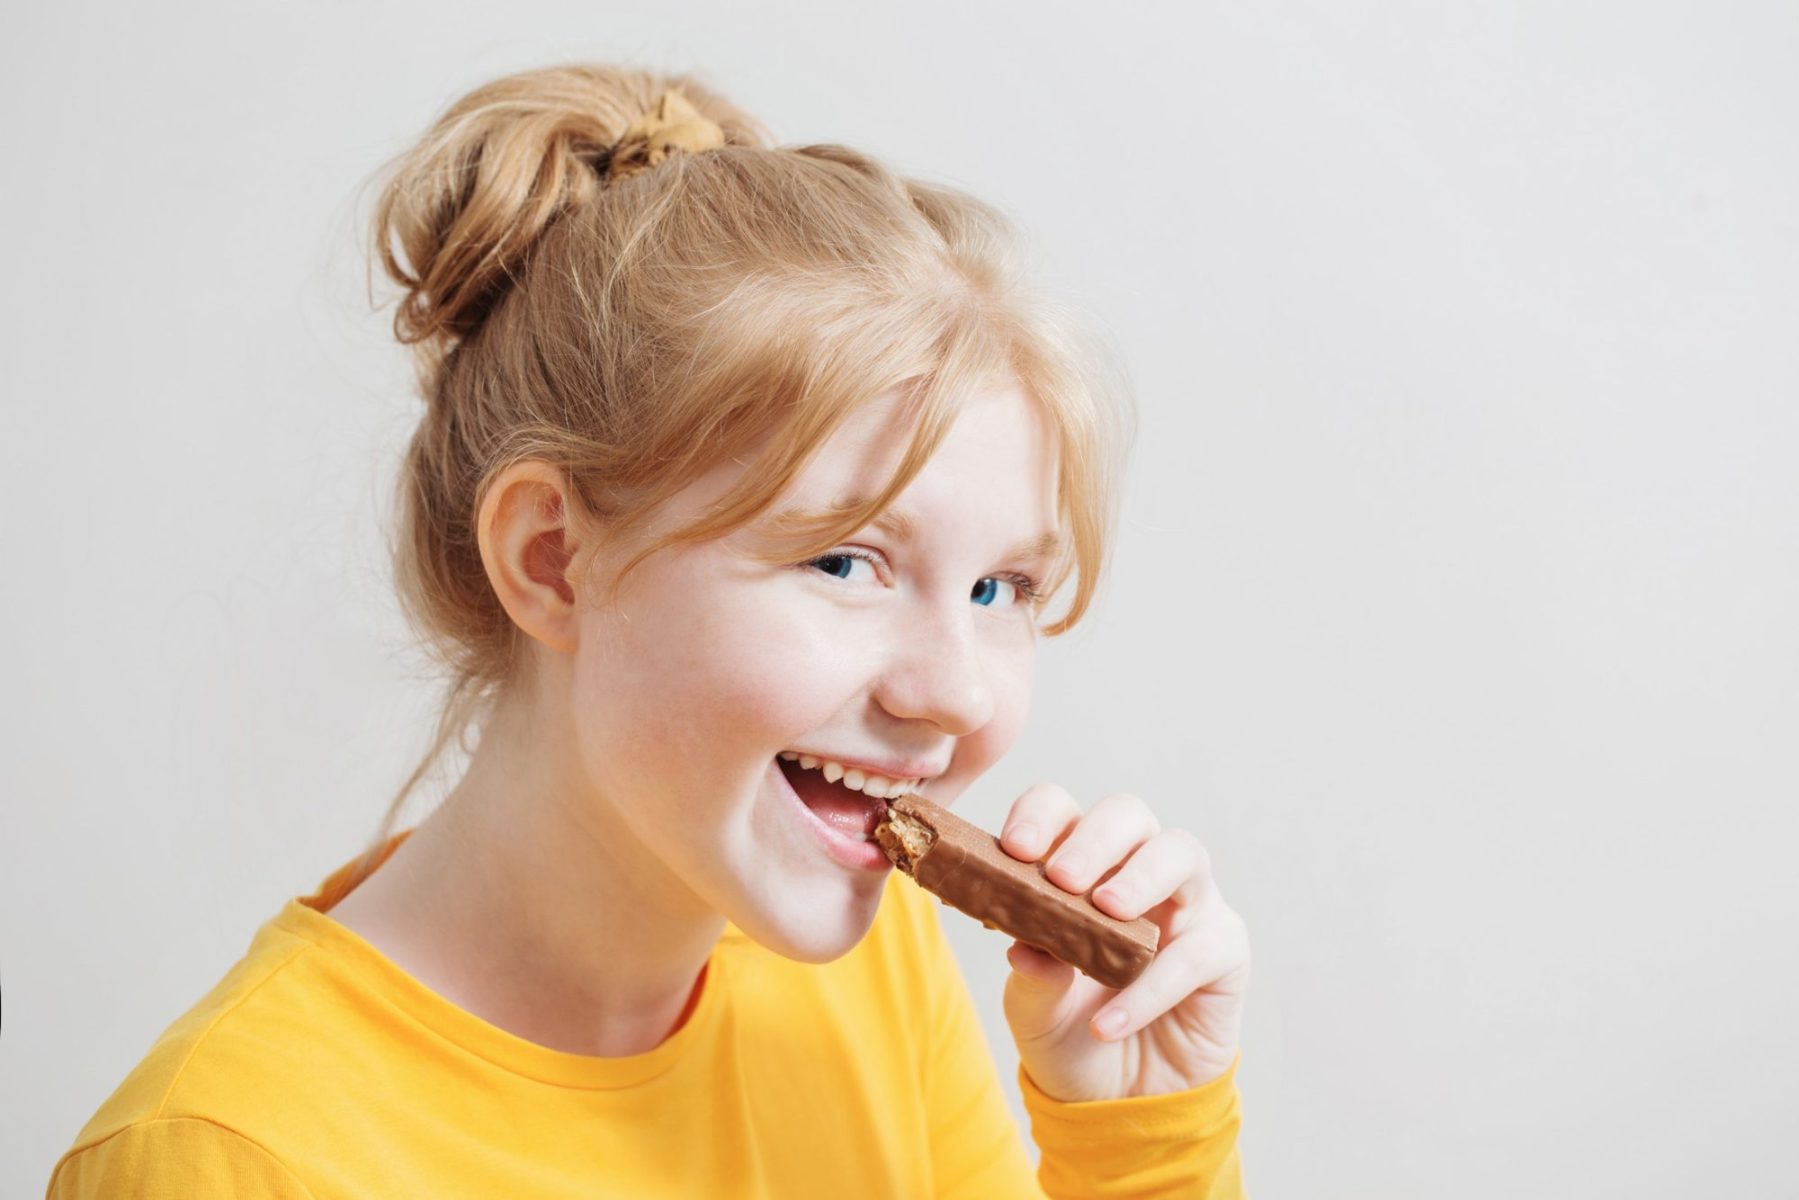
point(746, 476)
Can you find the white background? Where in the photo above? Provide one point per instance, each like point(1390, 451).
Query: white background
point(1454, 606)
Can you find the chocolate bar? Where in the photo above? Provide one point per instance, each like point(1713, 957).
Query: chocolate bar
point(965, 867)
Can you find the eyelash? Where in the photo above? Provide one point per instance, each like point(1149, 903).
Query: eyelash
point(1027, 587)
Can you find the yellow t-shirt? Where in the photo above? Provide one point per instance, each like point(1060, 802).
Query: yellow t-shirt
point(317, 1068)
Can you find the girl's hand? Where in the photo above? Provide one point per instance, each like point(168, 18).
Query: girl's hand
point(1184, 1014)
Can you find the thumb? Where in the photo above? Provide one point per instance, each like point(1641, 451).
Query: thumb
point(1037, 991)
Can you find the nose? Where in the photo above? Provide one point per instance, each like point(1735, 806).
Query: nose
point(938, 672)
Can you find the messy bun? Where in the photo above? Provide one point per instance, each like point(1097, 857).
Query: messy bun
point(468, 202)
point(634, 329)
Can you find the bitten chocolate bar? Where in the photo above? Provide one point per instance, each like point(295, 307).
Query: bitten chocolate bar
point(966, 867)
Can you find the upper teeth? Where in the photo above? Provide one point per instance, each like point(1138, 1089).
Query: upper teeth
point(878, 786)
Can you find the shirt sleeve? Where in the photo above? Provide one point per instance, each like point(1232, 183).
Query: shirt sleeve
point(173, 1158)
point(1176, 1144)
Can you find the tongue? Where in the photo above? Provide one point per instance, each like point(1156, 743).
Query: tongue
point(855, 813)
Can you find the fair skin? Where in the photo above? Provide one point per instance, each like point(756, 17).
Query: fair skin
point(572, 886)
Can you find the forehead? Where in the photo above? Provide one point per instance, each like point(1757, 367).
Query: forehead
point(995, 466)
point(998, 431)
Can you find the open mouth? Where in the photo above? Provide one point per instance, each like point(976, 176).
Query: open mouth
point(850, 811)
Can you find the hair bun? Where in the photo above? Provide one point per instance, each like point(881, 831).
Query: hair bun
point(465, 205)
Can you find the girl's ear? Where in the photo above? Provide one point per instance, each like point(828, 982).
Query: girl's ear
point(527, 545)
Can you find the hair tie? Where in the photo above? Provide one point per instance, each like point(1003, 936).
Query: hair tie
point(673, 124)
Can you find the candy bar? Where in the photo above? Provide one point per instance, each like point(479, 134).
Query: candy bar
point(966, 867)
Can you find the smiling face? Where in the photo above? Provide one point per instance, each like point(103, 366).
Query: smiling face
point(917, 650)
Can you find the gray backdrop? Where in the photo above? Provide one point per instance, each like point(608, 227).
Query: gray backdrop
point(1453, 608)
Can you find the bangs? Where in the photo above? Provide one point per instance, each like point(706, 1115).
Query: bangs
point(933, 367)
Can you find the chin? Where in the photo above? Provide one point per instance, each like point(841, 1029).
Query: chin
point(812, 937)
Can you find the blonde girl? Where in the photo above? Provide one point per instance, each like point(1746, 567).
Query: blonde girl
point(746, 476)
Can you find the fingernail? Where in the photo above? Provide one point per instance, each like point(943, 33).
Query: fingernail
point(1024, 837)
point(1111, 1021)
point(1116, 895)
point(1069, 867)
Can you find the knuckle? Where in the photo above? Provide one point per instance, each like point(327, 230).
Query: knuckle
point(1130, 809)
point(1121, 800)
point(1047, 809)
point(1046, 798)
point(1241, 928)
point(1190, 843)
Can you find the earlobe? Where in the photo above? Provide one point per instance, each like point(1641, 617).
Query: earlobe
point(526, 550)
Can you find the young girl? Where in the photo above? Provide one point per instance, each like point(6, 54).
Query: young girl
point(746, 475)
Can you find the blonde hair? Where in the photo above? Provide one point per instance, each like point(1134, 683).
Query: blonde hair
point(636, 331)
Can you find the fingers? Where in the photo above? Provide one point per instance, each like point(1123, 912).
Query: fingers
point(1038, 965)
point(1172, 863)
point(1112, 829)
point(1082, 848)
point(1039, 816)
point(1119, 846)
point(1215, 955)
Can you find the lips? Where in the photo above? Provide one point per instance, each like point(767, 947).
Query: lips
point(853, 812)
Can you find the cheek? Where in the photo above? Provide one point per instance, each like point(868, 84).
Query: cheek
point(700, 681)
point(1012, 696)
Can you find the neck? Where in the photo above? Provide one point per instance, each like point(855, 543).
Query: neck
point(533, 906)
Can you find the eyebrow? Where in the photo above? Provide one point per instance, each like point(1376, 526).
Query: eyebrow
point(901, 524)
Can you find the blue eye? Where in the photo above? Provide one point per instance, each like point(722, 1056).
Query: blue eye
point(989, 587)
point(1024, 586)
point(848, 559)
